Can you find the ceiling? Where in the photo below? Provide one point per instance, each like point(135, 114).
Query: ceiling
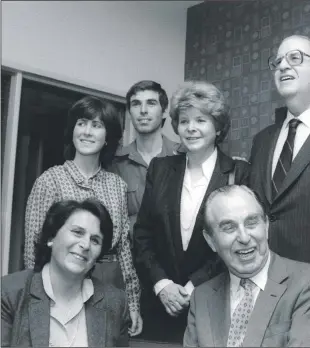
point(186, 4)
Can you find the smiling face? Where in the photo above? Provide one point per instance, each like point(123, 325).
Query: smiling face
point(290, 80)
point(146, 111)
point(239, 232)
point(89, 136)
point(77, 244)
point(196, 131)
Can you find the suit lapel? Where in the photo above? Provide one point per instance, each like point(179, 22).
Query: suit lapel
point(299, 164)
point(267, 151)
point(268, 148)
point(266, 303)
point(223, 165)
point(96, 326)
point(39, 313)
point(96, 318)
point(219, 306)
point(175, 184)
point(219, 175)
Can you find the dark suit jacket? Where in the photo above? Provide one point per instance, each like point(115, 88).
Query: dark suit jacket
point(157, 234)
point(25, 313)
point(280, 318)
point(289, 212)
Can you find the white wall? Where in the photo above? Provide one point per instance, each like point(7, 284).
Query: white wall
point(107, 45)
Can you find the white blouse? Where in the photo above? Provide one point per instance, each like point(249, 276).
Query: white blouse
point(67, 325)
point(192, 196)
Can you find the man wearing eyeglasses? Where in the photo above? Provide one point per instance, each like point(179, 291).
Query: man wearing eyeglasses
point(280, 153)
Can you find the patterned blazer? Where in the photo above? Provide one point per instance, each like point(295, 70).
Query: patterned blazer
point(25, 313)
point(66, 182)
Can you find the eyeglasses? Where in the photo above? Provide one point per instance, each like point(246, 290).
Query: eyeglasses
point(293, 58)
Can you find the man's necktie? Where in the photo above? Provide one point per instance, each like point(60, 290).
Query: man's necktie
point(285, 159)
point(241, 315)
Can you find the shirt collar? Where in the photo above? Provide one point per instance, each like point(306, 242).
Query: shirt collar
point(74, 171)
point(87, 286)
point(260, 279)
point(206, 165)
point(131, 149)
point(304, 118)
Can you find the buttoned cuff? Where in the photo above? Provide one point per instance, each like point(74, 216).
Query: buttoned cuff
point(189, 287)
point(158, 287)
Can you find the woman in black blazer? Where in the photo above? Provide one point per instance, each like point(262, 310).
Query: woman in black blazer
point(59, 304)
point(171, 255)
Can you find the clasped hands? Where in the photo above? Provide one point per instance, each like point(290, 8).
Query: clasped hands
point(175, 299)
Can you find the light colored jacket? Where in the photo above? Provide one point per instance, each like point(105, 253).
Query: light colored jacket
point(25, 313)
point(280, 318)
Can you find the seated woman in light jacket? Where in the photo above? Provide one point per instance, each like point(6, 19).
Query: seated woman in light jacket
point(59, 304)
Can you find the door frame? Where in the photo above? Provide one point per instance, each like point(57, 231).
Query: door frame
point(10, 143)
point(7, 182)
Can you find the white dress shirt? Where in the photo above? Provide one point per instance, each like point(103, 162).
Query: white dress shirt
point(67, 325)
point(237, 291)
point(191, 199)
point(302, 133)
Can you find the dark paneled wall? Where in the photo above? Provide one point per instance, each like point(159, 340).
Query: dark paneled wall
point(228, 43)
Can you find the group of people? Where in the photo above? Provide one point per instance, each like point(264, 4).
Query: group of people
point(199, 241)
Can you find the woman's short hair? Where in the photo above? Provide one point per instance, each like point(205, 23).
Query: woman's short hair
point(89, 108)
point(57, 216)
point(148, 85)
point(205, 97)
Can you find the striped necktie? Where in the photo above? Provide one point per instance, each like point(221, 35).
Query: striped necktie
point(285, 159)
point(241, 315)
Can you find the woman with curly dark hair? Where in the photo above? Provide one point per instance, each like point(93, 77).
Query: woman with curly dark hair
point(92, 137)
point(59, 304)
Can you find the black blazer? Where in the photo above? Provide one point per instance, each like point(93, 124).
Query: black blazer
point(158, 250)
point(25, 313)
point(289, 212)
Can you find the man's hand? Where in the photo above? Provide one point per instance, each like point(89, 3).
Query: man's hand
point(137, 324)
point(174, 298)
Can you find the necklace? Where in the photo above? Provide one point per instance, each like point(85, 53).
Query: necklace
point(76, 328)
point(74, 336)
point(70, 332)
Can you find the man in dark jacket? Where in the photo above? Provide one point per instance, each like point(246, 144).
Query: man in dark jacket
point(280, 155)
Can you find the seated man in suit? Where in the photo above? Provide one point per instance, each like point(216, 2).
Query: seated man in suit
point(262, 299)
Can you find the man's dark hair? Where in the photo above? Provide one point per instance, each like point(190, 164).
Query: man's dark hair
point(147, 85)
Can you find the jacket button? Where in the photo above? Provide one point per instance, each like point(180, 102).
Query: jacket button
point(272, 218)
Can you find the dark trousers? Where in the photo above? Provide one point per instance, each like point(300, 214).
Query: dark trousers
point(109, 272)
point(158, 325)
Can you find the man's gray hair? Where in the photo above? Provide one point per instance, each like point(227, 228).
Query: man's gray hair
point(226, 190)
point(304, 37)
